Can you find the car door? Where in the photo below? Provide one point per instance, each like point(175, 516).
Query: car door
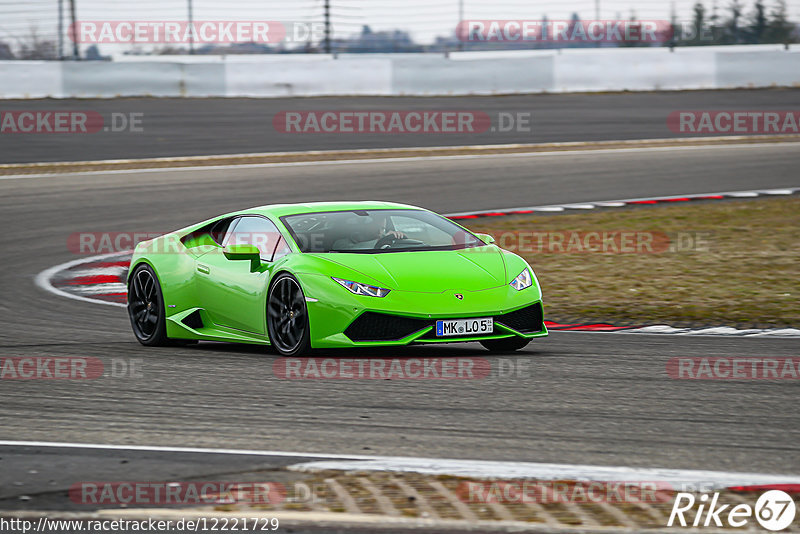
point(233, 292)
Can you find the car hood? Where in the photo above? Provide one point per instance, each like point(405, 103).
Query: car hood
point(470, 269)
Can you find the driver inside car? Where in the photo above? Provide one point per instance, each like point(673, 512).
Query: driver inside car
point(372, 230)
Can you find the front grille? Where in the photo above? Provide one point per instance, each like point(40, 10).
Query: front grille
point(525, 320)
point(371, 326)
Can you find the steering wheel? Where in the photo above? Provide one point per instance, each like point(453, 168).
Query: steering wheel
point(386, 241)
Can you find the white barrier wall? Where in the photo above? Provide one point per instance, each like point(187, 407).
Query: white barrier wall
point(636, 70)
point(462, 73)
point(277, 76)
point(744, 69)
point(30, 79)
point(471, 74)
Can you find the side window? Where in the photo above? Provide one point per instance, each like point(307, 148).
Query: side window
point(256, 231)
point(210, 234)
point(220, 230)
point(281, 250)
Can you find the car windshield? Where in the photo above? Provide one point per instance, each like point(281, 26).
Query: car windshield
point(377, 231)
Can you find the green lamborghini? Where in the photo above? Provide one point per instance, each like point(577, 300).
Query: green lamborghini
point(332, 274)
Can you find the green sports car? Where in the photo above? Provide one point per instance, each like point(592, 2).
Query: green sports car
point(332, 274)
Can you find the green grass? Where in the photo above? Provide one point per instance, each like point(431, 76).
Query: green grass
point(746, 274)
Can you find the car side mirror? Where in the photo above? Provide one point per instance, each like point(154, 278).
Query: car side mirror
point(243, 252)
point(486, 238)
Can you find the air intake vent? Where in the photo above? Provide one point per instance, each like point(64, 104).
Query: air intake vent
point(193, 320)
point(371, 326)
point(525, 320)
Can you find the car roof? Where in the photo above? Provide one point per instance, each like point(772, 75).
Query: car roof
point(279, 210)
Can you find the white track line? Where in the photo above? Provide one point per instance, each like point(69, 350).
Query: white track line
point(44, 279)
point(565, 144)
point(201, 450)
point(526, 470)
point(465, 468)
point(100, 271)
point(101, 289)
point(559, 153)
point(661, 330)
point(623, 202)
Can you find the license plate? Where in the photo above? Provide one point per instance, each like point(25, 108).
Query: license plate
point(464, 327)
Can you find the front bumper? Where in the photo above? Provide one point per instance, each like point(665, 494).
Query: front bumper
point(337, 316)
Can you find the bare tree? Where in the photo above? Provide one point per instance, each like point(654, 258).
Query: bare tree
point(779, 29)
point(33, 47)
point(733, 33)
point(5, 51)
point(758, 23)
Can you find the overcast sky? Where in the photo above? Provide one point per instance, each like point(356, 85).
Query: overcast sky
point(424, 19)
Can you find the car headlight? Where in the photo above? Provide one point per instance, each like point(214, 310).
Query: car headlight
point(363, 289)
point(523, 280)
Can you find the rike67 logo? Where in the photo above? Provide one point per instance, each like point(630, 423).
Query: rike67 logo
point(774, 510)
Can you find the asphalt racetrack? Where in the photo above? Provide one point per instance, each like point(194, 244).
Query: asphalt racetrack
point(586, 398)
point(185, 126)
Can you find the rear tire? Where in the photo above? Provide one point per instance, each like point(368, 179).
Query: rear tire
point(146, 307)
point(507, 344)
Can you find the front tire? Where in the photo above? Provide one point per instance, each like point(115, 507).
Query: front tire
point(287, 317)
point(506, 344)
point(146, 307)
